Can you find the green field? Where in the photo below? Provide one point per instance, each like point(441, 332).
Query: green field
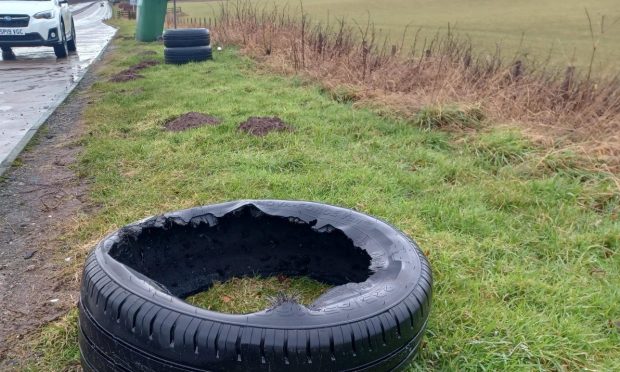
point(536, 27)
point(523, 243)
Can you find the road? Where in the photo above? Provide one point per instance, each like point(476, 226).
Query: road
point(36, 82)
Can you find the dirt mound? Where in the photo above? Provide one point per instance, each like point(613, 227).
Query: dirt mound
point(190, 120)
point(144, 64)
point(125, 76)
point(131, 73)
point(260, 126)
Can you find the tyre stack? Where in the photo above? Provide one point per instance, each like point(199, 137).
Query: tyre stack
point(187, 45)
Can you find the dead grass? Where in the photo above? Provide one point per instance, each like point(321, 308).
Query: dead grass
point(565, 104)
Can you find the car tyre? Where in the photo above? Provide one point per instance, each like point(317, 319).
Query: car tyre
point(60, 49)
point(187, 37)
point(183, 55)
point(71, 44)
point(7, 54)
point(131, 322)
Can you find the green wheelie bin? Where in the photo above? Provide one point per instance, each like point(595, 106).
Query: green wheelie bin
point(151, 17)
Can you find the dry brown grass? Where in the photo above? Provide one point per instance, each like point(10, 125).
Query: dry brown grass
point(563, 106)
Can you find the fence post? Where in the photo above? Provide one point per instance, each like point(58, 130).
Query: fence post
point(174, 6)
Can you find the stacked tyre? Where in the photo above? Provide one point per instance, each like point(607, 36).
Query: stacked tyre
point(187, 45)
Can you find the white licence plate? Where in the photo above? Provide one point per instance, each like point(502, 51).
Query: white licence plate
point(12, 31)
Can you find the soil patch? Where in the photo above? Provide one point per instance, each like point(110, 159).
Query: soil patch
point(131, 73)
point(189, 121)
point(260, 126)
point(144, 64)
point(123, 76)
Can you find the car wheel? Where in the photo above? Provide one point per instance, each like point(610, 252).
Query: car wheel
point(133, 317)
point(7, 54)
point(71, 44)
point(60, 49)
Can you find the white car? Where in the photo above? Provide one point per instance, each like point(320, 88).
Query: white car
point(29, 23)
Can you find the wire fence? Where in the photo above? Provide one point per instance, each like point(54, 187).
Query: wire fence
point(189, 22)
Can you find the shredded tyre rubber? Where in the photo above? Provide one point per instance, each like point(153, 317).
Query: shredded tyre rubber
point(189, 121)
point(133, 314)
point(261, 126)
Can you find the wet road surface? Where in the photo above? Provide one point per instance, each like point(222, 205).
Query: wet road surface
point(36, 82)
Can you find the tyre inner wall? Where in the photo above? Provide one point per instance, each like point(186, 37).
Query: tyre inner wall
point(183, 259)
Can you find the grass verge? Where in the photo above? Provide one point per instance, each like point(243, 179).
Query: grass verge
point(523, 243)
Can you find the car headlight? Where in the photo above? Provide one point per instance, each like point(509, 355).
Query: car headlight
point(48, 14)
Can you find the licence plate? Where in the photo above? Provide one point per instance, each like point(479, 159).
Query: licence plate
point(11, 31)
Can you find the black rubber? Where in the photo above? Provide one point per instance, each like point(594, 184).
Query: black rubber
point(186, 37)
point(7, 54)
point(132, 315)
point(61, 49)
point(189, 54)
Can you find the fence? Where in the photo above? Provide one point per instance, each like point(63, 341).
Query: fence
point(189, 22)
point(129, 14)
point(179, 11)
point(125, 10)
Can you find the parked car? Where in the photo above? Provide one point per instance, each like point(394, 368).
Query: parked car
point(33, 23)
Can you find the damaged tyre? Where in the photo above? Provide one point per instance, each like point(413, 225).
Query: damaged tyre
point(133, 317)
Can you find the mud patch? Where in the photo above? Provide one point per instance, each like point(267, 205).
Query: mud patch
point(122, 77)
point(132, 92)
point(260, 126)
point(189, 121)
point(144, 64)
point(131, 73)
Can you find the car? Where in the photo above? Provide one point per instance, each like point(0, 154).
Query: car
point(33, 23)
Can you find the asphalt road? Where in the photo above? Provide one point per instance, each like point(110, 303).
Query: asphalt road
point(36, 82)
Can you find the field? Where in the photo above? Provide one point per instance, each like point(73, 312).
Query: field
point(559, 28)
point(523, 242)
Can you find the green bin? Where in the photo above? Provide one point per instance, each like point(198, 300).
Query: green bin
point(151, 17)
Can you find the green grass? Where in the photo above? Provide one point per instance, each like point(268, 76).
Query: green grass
point(559, 27)
point(524, 244)
point(56, 347)
point(251, 294)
